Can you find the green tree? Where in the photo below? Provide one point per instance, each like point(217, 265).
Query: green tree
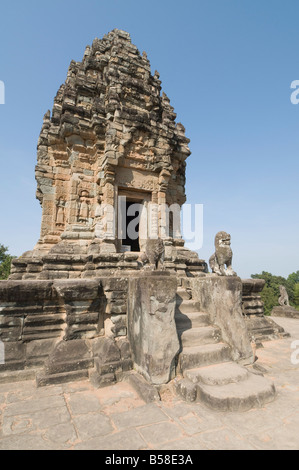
point(296, 295)
point(292, 280)
point(5, 262)
point(270, 292)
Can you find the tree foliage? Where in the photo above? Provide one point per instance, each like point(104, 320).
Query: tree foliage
point(270, 293)
point(5, 262)
point(296, 295)
point(292, 280)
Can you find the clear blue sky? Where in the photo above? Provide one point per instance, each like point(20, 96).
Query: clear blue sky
point(226, 65)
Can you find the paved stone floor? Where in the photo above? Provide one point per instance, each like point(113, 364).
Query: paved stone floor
point(77, 416)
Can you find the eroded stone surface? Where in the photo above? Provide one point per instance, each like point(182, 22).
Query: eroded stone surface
point(152, 329)
point(221, 297)
point(285, 311)
point(261, 328)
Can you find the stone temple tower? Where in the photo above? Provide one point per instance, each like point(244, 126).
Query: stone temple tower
point(111, 141)
point(82, 303)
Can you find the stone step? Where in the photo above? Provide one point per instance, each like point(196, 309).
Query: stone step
point(217, 374)
point(182, 294)
point(196, 356)
point(191, 320)
point(187, 306)
point(18, 375)
point(198, 336)
point(43, 379)
point(255, 391)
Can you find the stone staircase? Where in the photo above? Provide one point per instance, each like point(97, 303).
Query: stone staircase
point(208, 373)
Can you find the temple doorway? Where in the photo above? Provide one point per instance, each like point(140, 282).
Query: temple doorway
point(131, 218)
point(132, 225)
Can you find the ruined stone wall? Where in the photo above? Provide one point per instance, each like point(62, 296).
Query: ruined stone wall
point(260, 327)
point(64, 327)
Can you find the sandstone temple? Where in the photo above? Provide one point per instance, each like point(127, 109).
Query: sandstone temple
point(89, 300)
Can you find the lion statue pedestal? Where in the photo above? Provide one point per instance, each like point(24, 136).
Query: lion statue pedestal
point(222, 256)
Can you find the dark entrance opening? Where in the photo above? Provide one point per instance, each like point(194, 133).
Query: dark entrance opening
point(132, 225)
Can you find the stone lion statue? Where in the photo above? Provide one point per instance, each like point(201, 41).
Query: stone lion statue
point(153, 255)
point(222, 256)
point(284, 298)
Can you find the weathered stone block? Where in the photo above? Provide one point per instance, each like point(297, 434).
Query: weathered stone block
point(106, 350)
point(68, 356)
point(124, 347)
point(26, 291)
point(151, 326)
point(38, 350)
point(285, 311)
point(186, 389)
point(260, 327)
point(43, 379)
point(13, 356)
point(146, 391)
point(221, 297)
point(11, 327)
point(78, 289)
point(103, 369)
point(99, 381)
point(120, 325)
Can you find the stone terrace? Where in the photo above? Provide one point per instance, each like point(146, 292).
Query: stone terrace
point(78, 416)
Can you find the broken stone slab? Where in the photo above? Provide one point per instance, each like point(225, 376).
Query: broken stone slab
point(263, 328)
point(99, 381)
point(106, 350)
point(186, 389)
point(145, 390)
point(111, 360)
point(68, 361)
point(38, 350)
point(69, 356)
point(18, 375)
point(221, 297)
point(285, 311)
point(151, 326)
point(43, 379)
point(260, 327)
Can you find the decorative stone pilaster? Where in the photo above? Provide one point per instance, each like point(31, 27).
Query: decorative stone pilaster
point(151, 326)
